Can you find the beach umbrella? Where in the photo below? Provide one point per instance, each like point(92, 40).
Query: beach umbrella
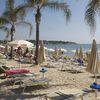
point(56, 53)
point(21, 43)
point(6, 49)
point(76, 53)
point(93, 61)
point(60, 52)
point(2, 47)
point(80, 53)
point(86, 56)
point(41, 57)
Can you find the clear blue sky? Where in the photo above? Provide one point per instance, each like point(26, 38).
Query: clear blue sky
point(53, 25)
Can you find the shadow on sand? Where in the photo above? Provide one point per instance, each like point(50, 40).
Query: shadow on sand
point(20, 96)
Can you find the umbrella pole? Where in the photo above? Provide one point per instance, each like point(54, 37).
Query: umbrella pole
point(95, 69)
point(95, 76)
point(96, 89)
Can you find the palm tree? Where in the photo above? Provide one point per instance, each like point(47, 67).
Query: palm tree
point(12, 16)
point(37, 5)
point(92, 10)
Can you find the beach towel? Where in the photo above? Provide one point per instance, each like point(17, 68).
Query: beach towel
point(16, 71)
point(95, 86)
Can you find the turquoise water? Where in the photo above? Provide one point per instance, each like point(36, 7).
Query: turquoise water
point(72, 47)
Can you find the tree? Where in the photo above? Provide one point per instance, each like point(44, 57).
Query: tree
point(12, 16)
point(37, 5)
point(92, 10)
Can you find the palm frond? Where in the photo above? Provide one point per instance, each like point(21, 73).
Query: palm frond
point(36, 2)
point(59, 6)
point(25, 23)
point(19, 12)
point(90, 14)
point(14, 13)
point(6, 30)
point(9, 5)
point(3, 21)
point(30, 1)
point(10, 15)
point(7, 14)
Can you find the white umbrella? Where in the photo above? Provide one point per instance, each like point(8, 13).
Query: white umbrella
point(1, 46)
point(21, 43)
point(56, 53)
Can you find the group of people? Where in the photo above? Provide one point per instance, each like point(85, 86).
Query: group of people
point(20, 52)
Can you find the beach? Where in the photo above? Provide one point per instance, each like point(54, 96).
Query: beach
point(41, 58)
point(59, 80)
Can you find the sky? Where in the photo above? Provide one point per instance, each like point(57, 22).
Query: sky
point(53, 25)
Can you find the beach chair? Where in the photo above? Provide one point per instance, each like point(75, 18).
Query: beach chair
point(13, 74)
point(18, 75)
point(32, 82)
point(5, 91)
point(2, 56)
point(67, 94)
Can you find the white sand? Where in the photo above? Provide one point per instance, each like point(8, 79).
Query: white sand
point(59, 80)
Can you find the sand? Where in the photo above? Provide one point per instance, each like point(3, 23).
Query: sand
point(60, 80)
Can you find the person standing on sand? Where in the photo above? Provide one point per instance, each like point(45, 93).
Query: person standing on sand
point(26, 52)
point(19, 51)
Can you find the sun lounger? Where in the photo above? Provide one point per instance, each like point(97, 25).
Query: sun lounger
point(17, 75)
point(32, 82)
point(18, 78)
point(67, 94)
point(72, 68)
point(9, 72)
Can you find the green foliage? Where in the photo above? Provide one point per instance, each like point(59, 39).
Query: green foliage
point(13, 16)
point(92, 9)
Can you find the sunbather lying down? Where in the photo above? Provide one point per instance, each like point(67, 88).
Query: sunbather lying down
point(7, 71)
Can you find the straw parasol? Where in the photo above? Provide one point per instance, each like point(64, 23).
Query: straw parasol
point(81, 53)
point(76, 53)
point(42, 57)
point(93, 62)
point(56, 53)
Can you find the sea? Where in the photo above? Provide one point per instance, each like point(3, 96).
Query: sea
point(71, 48)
